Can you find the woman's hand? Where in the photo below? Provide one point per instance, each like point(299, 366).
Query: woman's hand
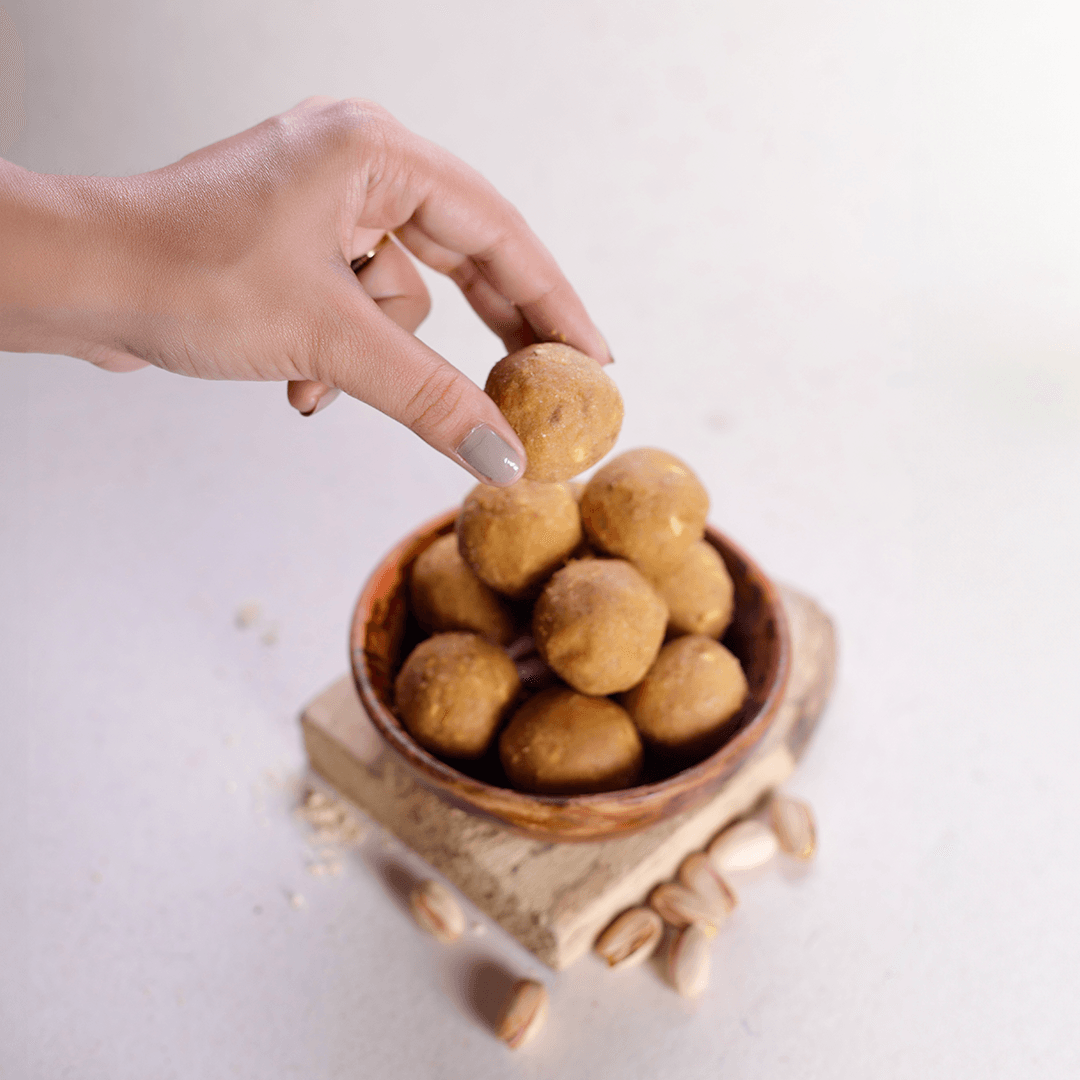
point(234, 263)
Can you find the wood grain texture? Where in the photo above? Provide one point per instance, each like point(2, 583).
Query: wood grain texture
point(555, 898)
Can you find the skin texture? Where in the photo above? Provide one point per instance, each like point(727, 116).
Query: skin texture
point(646, 506)
point(234, 263)
point(699, 593)
point(599, 624)
point(565, 410)
point(563, 743)
point(515, 538)
point(453, 691)
point(446, 595)
point(690, 692)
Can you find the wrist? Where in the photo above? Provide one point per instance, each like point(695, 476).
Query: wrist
point(58, 262)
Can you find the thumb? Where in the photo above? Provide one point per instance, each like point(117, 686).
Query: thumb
point(373, 359)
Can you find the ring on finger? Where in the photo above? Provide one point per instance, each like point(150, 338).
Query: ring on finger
point(361, 261)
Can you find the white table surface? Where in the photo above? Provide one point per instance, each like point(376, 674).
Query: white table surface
point(836, 250)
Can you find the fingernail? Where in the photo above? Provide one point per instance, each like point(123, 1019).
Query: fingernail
point(327, 398)
point(486, 451)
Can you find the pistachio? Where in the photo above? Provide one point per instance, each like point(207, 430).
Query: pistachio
point(698, 874)
point(688, 961)
point(434, 908)
point(522, 1013)
point(793, 823)
point(680, 906)
point(631, 938)
point(742, 846)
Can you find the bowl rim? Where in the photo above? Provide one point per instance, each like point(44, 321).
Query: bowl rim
point(494, 800)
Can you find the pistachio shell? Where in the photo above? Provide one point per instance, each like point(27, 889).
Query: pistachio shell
point(742, 846)
point(631, 938)
point(523, 1013)
point(434, 908)
point(793, 822)
point(688, 961)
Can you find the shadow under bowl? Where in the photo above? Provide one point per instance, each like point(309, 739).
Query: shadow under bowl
point(383, 633)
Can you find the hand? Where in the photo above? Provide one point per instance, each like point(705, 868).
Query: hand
point(234, 263)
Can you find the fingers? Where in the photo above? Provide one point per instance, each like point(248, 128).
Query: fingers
point(308, 397)
point(497, 312)
point(515, 286)
point(453, 220)
point(391, 280)
point(372, 358)
point(394, 283)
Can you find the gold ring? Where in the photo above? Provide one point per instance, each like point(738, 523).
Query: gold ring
point(361, 261)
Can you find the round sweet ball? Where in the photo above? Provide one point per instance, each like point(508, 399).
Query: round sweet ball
point(699, 592)
point(446, 595)
point(564, 743)
point(565, 410)
point(514, 537)
point(599, 624)
point(646, 506)
point(695, 687)
point(452, 693)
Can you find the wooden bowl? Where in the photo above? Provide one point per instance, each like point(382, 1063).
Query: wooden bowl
point(383, 633)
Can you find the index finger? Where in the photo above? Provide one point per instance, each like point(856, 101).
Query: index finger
point(456, 215)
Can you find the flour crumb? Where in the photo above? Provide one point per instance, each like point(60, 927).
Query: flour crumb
point(248, 614)
point(332, 820)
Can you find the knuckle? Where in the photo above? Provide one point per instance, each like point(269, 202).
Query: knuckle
point(360, 117)
point(437, 399)
point(305, 108)
point(363, 131)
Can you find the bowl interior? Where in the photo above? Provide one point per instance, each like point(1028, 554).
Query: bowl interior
point(384, 632)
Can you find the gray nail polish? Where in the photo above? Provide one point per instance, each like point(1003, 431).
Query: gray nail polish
point(486, 451)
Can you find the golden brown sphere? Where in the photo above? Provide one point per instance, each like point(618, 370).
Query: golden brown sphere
point(699, 592)
point(646, 506)
point(514, 537)
point(563, 743)
point(452, 693)
point(446, 595)
point(599, 625)
point(689, 694)
point(564, 408)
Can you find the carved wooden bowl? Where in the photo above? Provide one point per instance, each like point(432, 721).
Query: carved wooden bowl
point(383, 633)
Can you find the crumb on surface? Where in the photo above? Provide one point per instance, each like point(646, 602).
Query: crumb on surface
point(248, 614)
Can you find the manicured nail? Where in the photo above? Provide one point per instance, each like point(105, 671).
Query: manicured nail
point(327, 398)
point(486, 451)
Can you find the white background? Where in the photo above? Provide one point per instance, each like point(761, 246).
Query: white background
point(835, 247)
